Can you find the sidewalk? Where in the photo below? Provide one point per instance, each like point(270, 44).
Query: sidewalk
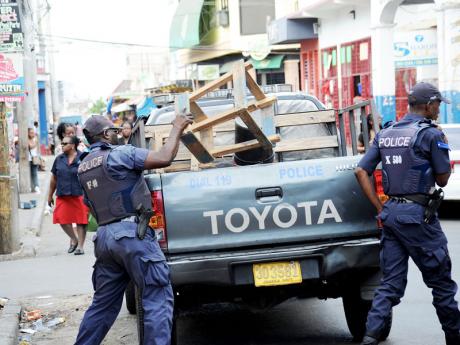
point(30, 220)
point(41, 266)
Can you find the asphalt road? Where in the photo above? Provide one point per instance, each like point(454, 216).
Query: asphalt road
point(318, 322)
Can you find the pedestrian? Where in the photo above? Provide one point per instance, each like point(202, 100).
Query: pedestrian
point(64, 129)
point(370, 133)
point(415, 155)
point(131, 117)
point(126, 129)
point(114, 187)
point(70, 208)
point(34, 159)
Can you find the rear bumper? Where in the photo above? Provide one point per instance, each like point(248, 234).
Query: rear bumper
point(318, 262)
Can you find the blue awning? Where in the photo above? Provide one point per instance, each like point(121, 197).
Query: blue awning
point(144, 108)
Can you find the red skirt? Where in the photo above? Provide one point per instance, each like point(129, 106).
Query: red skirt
point(70, 209)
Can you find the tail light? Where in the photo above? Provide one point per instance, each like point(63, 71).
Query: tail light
point(452, 165)
point(157, 222)
point(379, 191)
point(379, 186)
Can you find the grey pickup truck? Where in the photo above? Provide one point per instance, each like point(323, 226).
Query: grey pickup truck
point(259, 231)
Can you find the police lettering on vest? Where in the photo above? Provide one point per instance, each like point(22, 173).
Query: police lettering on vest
point(109, 199)
point(394, 142)
point(403, 171)
point(90, 164)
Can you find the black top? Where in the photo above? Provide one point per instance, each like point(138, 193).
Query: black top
point(66, 176)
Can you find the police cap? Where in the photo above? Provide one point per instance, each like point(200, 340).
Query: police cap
point(424, 93)
point(96, 124)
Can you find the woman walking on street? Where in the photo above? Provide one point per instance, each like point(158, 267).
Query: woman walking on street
point(69, 194)
point(34, 160)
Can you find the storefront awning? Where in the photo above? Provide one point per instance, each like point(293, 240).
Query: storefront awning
point(185, 25)
point(271, 62)
point(144, 108)
point(119, 108)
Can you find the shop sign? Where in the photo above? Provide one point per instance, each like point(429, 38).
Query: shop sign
point(11, 78)
point(208, 72)
point(11, 37)
point(415, 48)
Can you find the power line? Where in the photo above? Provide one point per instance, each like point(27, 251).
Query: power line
point(142, 45)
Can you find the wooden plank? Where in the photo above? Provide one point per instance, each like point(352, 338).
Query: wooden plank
point(254, 87)
point(198, 113)
point(307, 144)
point(206, 135)
point(307, 118)
point(247, 145)
point(177, 167)
point(212, 121)
point(239, 85)
point(266, 102)
point(215, 84)
point(255, 129)
point(196, 148)
point(152, 131)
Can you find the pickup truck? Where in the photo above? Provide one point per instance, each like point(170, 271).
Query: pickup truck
point(260, 234)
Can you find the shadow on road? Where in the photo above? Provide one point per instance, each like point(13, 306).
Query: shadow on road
point(292, 323)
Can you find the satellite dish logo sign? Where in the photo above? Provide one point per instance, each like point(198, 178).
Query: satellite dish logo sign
point(417, 48)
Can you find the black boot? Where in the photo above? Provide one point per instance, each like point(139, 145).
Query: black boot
point(369, 341)
point(452, 339)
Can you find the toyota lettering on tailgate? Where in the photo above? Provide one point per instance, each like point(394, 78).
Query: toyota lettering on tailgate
point(238, 219)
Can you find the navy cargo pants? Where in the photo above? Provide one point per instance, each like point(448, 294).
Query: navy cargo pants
point(405, 235)
point(121, 257)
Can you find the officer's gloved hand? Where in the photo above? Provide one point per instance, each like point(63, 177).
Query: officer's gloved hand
point(182, 120)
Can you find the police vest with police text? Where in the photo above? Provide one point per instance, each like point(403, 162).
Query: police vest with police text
point(403, 171)
point(109, 199)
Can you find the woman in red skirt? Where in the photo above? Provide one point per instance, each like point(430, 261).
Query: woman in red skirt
point(69, 195)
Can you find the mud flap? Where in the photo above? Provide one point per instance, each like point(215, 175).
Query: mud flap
point(369, 285)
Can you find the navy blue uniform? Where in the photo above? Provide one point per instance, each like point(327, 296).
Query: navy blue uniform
point(120, 257)
point(405, 234)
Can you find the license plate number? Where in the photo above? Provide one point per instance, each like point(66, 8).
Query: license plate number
point(277, 273)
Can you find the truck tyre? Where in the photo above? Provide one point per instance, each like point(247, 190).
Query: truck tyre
point(356, 310)
point(174, 331)
point(130, 295)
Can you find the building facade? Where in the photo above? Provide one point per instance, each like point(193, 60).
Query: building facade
point(379, 50)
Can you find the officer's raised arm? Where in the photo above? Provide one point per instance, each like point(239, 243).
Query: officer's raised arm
point(168, 151)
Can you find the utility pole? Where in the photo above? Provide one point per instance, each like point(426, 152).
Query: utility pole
point(25, 110)
point(5, 191)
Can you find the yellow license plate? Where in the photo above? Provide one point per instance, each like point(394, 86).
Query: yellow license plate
point(277, 273)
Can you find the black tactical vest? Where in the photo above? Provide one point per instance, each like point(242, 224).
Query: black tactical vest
point(404, 172)
point(109, 199)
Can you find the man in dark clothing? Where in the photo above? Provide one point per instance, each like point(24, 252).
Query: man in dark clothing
point(115, 190)
point(415, 155)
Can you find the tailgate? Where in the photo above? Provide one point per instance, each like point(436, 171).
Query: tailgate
point(263, 205)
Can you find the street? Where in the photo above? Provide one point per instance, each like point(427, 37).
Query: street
point(59, 284)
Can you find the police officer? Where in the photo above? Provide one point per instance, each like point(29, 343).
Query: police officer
point(415, 155)
point(115, 190)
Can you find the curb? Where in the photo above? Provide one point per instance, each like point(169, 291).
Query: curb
point(9, 323)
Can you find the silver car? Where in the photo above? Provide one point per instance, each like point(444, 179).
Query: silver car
point(452, 190)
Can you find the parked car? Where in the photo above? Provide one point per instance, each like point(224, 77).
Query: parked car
point(452, 190)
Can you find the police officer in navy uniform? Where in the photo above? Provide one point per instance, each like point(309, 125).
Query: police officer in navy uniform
point(415, 155)
point(115, 191)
